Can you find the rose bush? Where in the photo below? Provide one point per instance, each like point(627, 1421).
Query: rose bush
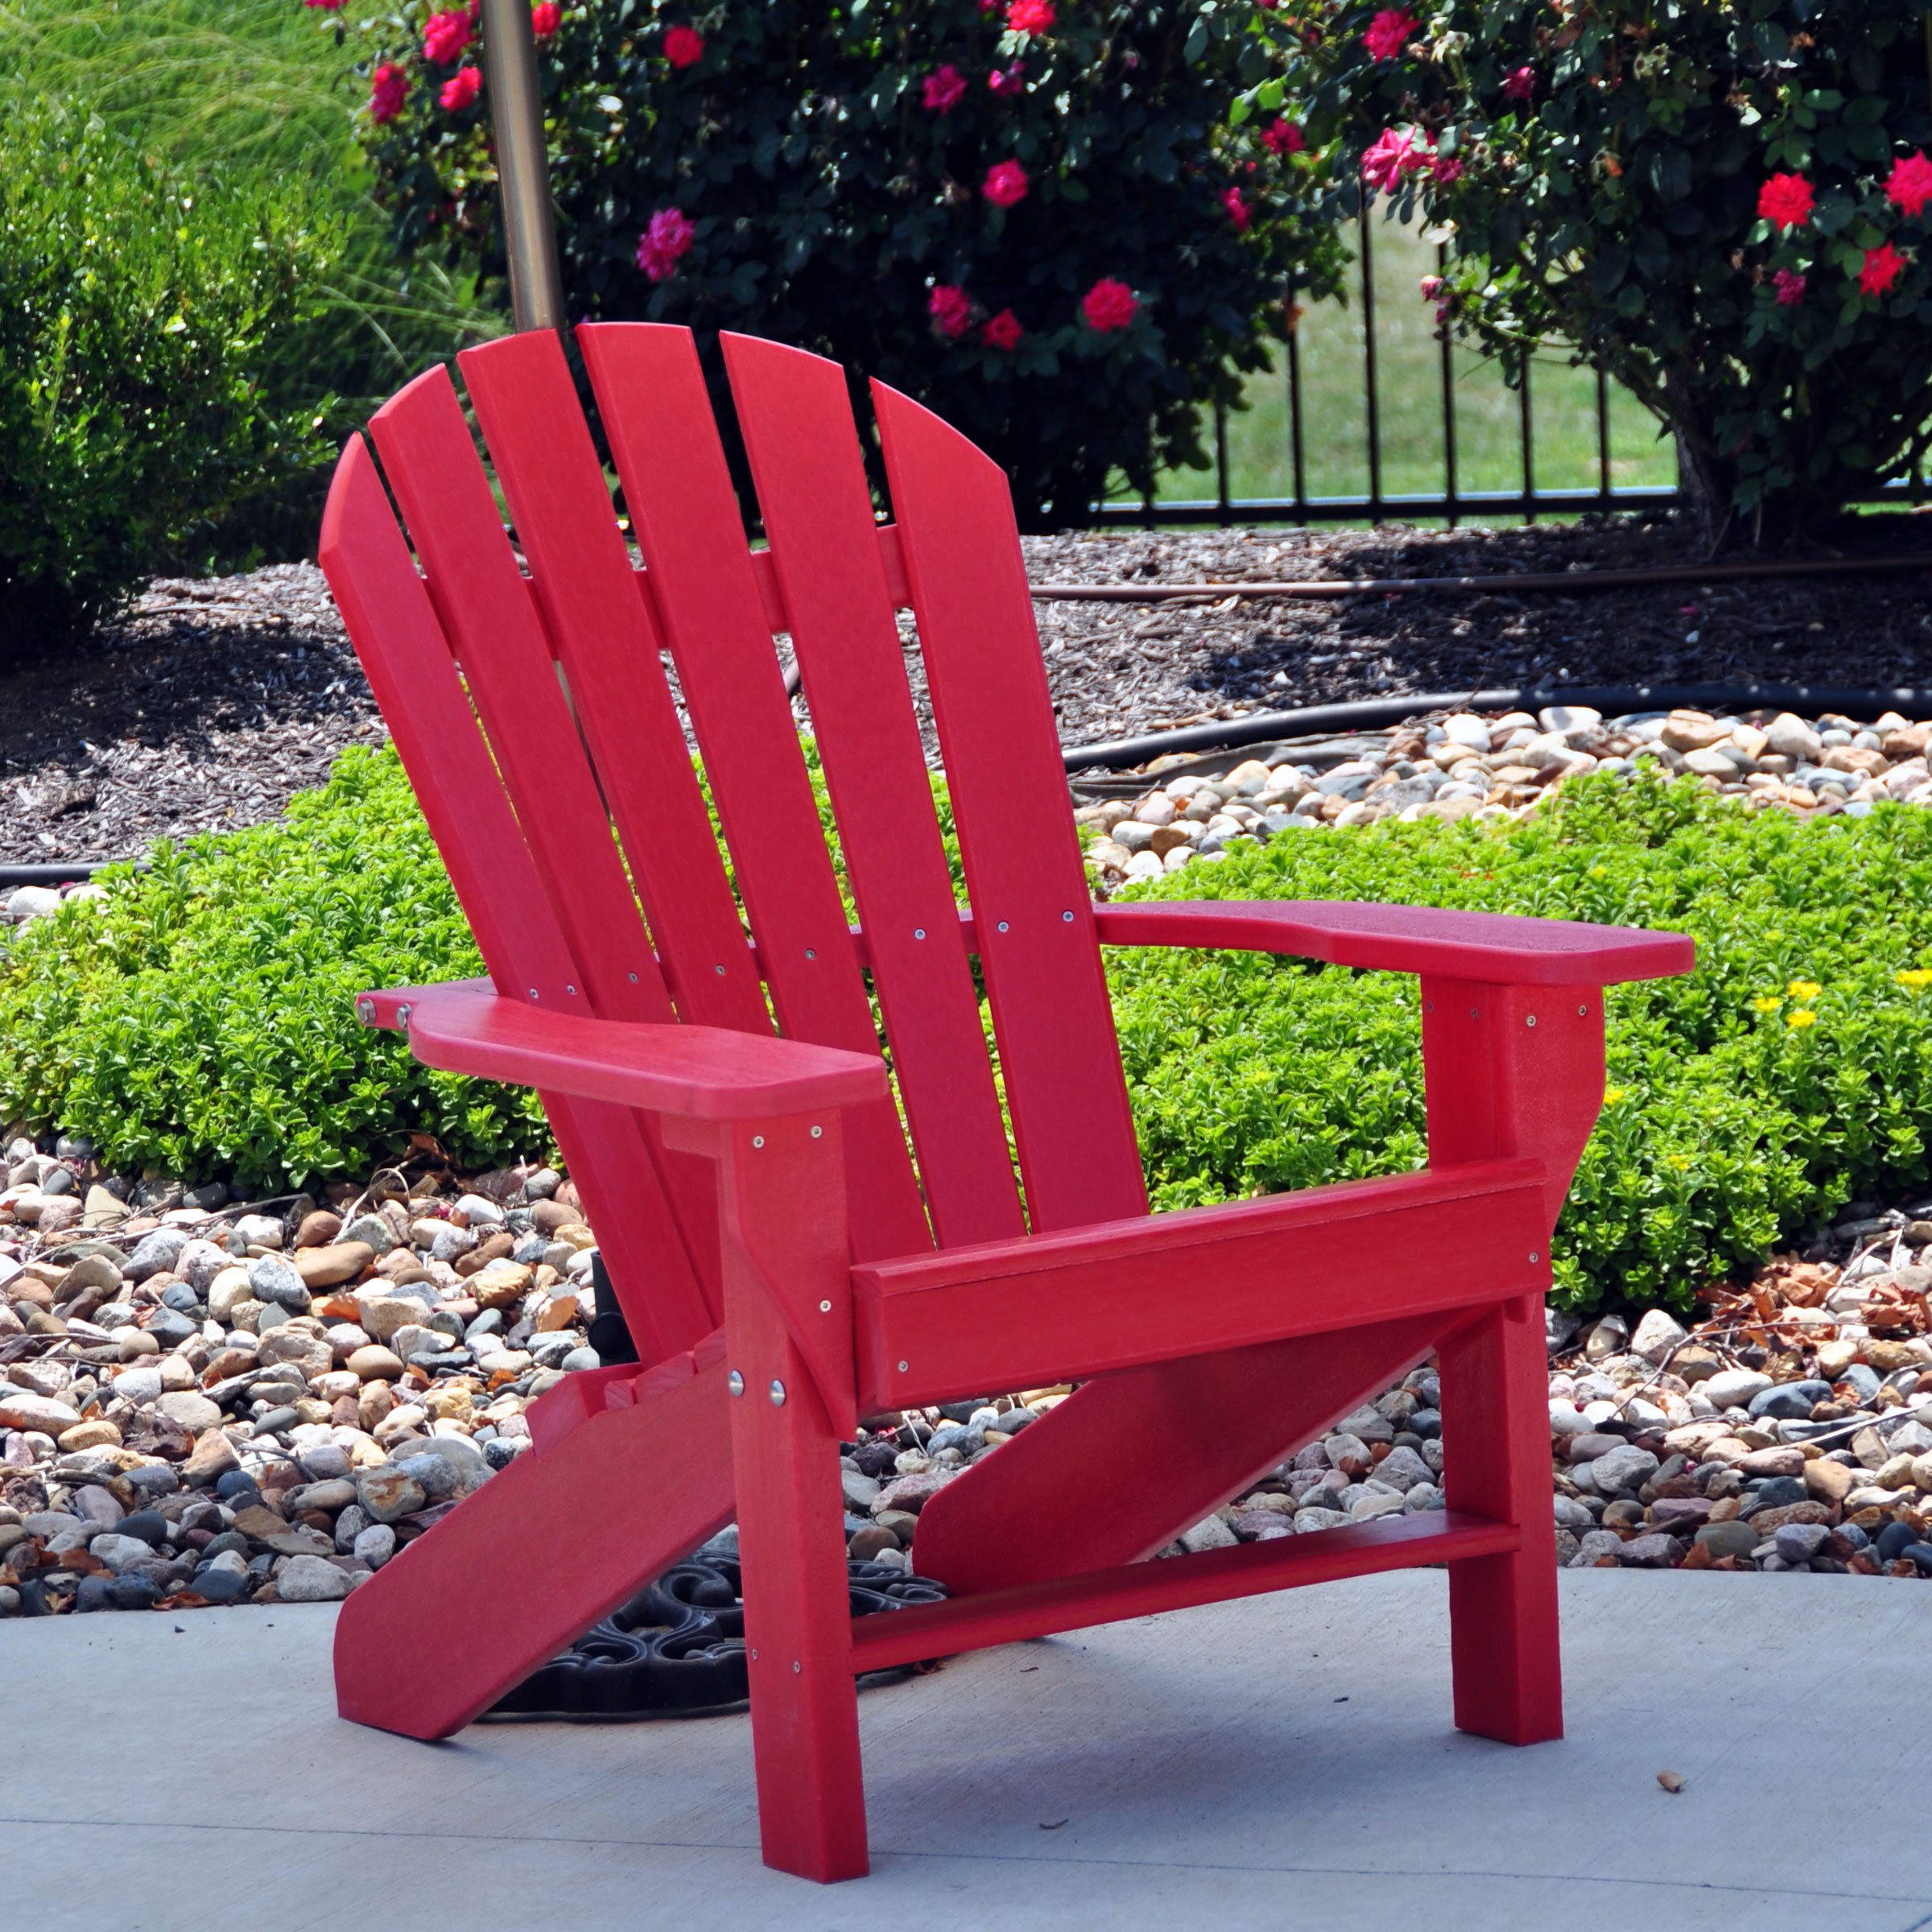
point(1723, 206)
point(1036, 217)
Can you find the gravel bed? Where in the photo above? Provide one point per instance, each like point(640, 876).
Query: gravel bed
point(206, 1403)
point(1464, 765)
point(218, 698)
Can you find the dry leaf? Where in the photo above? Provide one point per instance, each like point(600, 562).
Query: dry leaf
point(1670, 1781)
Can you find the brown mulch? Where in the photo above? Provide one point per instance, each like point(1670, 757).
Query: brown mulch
point(216, 700)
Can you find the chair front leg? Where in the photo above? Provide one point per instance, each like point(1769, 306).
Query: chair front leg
point(782, 1216)
point(1511, 1070)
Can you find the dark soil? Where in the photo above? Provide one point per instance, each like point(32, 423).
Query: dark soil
point(215, 700)
point(1118, 670)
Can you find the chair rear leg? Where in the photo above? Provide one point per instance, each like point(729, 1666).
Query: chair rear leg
point(798, 1605)
point(1504, 1647)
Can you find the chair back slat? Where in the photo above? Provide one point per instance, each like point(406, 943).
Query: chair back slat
point(657, 413)
point(601, 629)
point(488, 616)
point(994, 714)
point(795, 414)
point(406, 656)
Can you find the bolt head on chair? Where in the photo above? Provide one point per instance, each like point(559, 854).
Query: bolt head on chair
point(778, 1216)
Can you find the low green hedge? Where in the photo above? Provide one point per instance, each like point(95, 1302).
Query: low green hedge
point(199, 1018)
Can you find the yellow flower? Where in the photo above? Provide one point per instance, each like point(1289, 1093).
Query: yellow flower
point(1804, 990)
point(1613, 1095)
point(1804, 1017)
point(1916, 978)
point(1680, 1162)
point(1766, 1002)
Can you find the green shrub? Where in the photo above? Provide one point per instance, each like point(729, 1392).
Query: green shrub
point(231, 93)
point(1727, 1127)
point(1602, 163)
point(199, 1018)
point(832, 175)
point(138, 315)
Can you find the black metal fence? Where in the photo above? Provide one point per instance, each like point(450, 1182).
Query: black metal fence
point(1300, 421)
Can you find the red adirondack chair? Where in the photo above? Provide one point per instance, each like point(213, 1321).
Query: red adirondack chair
point(786, 1264)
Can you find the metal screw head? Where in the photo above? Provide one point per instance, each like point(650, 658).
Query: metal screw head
point(777, 1394)
point(719, 970)
point(824, 1307)
point(735, 1383)
point(1067, 917)
point(533, 993)
point(1003, 928)
point(904, 1367)
point(365, 1011)
point(919, 932)
point(1529, 1019)
point(758, 1140)
point(811, 952)
point(1533, 1257)
point(1583, 1013)
point(403, 1013)
point(797, 1668)
point(818, 1134)
point(571, 991)
point(634, 979)
point(1474, 1014)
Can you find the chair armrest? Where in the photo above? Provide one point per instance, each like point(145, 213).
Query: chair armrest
point(1496, 947)
point(701, 1073)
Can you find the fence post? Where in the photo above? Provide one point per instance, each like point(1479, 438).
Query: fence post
point(516, 116)
point(1294, 410)
point(1375, 422)
point(1529, 438)
point(1449, 490)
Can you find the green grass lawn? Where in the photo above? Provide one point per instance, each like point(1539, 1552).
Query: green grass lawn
point(1409, 389)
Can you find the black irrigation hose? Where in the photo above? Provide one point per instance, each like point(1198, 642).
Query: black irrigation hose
point(1153, 591)
point(1224, 734)
point(72, 872)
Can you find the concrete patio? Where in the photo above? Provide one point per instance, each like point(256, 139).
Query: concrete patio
point(1278, 1762)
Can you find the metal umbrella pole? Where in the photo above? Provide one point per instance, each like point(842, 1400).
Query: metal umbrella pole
point(516, 113)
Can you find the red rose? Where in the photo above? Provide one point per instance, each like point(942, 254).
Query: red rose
point(1002, 330)
point(1910, 185)
point(461, 89)
point(1008, 79)
point(684, 47)
point(446, 36)
point(1238, 211)
point(1389, 34)
point(1786, 200)
point(1030, 17)
point(665, 243)
point(1520, 85)
point(945, 88)
point(1791, 286)
point(1108, 306)
point(546, 17)
point(1006, 184)
point(1883, 267)
point(1284, 137)
point(388, 87)
point(952, 312)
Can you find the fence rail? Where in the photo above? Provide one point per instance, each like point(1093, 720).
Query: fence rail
point(1304, 417)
